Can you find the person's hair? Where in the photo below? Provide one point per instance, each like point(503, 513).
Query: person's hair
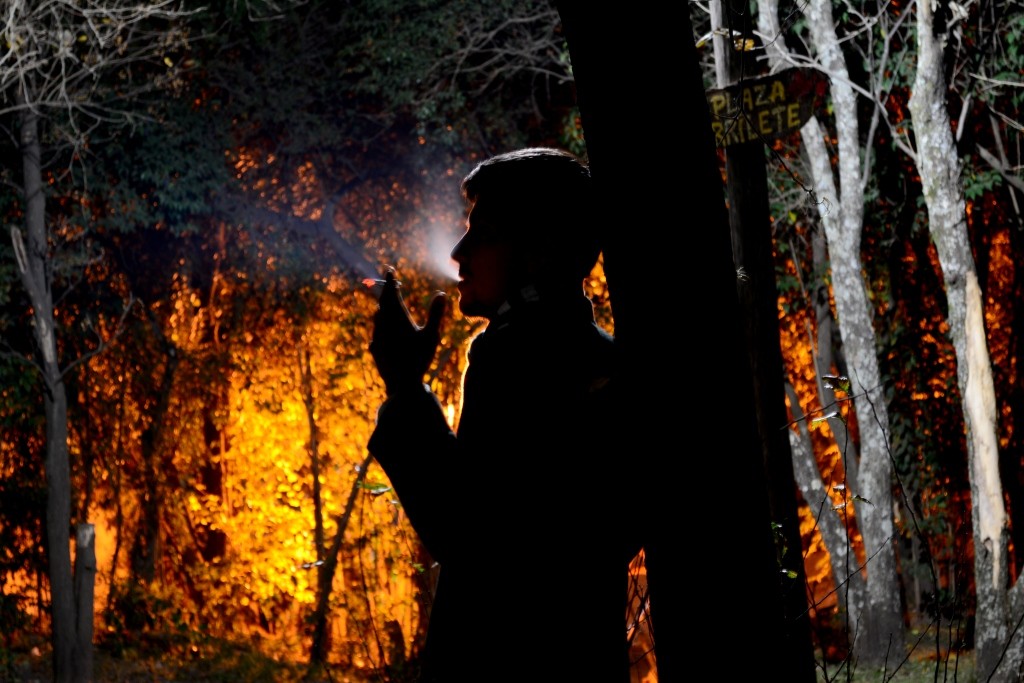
point(544, 201)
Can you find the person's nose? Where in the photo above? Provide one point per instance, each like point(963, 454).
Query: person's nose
point(459, 250)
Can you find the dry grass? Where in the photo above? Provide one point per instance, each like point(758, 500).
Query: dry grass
point(925, 663)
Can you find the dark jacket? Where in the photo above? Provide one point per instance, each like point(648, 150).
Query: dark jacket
point(525, 509)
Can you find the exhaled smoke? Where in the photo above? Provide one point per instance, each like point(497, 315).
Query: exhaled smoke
point(440, 241)
point(428, 237)
point(428, 251)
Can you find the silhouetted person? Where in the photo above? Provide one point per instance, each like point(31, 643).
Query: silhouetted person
point(526, 507)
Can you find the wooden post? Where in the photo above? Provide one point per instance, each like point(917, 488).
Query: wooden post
point(752, 247)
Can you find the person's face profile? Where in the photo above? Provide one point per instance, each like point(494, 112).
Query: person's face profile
point(484, 256)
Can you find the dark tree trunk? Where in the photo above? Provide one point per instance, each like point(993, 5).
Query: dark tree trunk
point(145, 548)
point(319, 646)
point(752, 248)
point(35, 268)
point(1011, 462)
point(752, 251)
point(306, 382)
point(58, 529)
point(668, 256)
point(214, 542)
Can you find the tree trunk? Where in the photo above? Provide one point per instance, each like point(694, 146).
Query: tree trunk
point(324, 570)
point(752, 248)
point(319, 646)
point(997, 611)
point(35, 269)
point(833, 527)
point(85, 585)
point(681, 221)
point(306, 382)
point(880, 636)
point(145, 548)
point(879, 631)
point(848, 580)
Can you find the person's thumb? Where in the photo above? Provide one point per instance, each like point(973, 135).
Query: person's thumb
point(438, 305)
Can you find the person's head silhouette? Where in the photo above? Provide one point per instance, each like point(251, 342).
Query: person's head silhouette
point(530, 223)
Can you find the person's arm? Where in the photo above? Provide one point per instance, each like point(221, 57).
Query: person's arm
point(412, 440)
point(414, 444)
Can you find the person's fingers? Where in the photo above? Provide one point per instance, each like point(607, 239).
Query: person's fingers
point(390, 285)
point(391, 304)
point(438, 305)
point(393, 290)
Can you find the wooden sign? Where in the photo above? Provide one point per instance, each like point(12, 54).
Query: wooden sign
point(765, 108)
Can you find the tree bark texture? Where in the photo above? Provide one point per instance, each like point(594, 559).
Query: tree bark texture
point(849, 581)
point(996, 616)
point(878, 628)
point(879, 635)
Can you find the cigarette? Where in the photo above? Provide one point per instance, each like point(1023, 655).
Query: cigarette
point(370, 282)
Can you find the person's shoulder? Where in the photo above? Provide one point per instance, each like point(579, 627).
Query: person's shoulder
point(600, 339)
point(605, 336)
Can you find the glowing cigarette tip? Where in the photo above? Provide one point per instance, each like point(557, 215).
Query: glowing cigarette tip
point(370, 282)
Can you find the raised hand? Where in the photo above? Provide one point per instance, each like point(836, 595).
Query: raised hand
point(402, 349)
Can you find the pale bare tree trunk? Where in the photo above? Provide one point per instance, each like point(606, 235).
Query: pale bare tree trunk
point(998, 609)
point(878, 630)
point(845, 565)
point(832, 524)
point(848, 581)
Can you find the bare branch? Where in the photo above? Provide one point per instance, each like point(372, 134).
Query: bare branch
point(998, 81)
point(879, 113)
point(60, 50)
point(7, 351)
point(104, 344)
point(488, 55)
point(1003, 169)
point(268, 10)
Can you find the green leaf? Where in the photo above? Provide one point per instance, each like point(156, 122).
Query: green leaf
point(837, 382)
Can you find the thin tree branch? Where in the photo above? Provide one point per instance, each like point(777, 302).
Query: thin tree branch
point(104, 343)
